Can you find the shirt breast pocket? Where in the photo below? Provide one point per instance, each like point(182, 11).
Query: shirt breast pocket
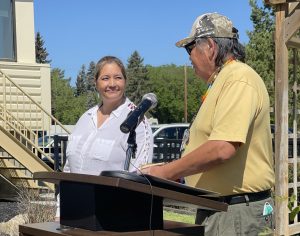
point(101, 149)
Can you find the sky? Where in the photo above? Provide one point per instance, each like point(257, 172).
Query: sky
point(81, 31)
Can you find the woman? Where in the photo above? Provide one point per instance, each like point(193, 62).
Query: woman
point(97, 143)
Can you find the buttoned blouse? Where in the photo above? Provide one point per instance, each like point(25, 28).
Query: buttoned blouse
point(91, 150)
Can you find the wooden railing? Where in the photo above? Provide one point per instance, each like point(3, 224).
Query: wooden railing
point(26, 119)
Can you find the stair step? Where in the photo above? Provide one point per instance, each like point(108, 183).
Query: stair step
point(42, 188)
point(12, 168)
point(22, 177)
point(6, 157)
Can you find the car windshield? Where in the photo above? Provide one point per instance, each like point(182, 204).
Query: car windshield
point(44, 140)
point(154, 129)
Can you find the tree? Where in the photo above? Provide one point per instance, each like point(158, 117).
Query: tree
point(137, 78)
point(90, 77)
point(167, 82)
point(65, 107)
point(92, 99)
point(81, 82)
point(41, 53)
point(260, 51)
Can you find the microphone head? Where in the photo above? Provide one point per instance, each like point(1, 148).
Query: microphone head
point(153, 99)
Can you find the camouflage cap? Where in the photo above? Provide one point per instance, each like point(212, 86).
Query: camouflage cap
point(210, 25)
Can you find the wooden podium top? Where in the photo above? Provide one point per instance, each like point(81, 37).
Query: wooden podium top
point(201, 201)
point(171, 228)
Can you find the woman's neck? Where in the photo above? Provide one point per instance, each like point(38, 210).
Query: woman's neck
point(107, 107)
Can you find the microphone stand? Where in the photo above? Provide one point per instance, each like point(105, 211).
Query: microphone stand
point(131, 150)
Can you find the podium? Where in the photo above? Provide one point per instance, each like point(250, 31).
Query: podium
point(119, 201)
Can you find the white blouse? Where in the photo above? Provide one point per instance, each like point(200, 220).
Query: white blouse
point(91, 150)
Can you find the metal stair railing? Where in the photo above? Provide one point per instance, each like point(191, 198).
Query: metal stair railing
point(26, 119)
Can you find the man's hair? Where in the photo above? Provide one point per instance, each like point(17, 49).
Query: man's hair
point(227, 47)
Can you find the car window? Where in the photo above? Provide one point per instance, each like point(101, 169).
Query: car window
point(44, 140)
point(168, 133)
point(154, 129)
point(181, 132)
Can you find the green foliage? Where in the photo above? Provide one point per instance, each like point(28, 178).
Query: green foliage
point(90, 75)
point(293, 210)
point(41, 53)
point(260, 51)
point(65, 106)
point(137, 78)
point(69, 103)
point(167, 82)
point(92, 98)
point(81, 82)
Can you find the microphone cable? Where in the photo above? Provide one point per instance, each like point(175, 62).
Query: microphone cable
point(152, 197)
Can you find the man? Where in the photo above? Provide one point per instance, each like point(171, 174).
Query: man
point(229, 148)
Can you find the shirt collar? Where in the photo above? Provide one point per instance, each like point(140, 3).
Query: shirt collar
point(117, 112)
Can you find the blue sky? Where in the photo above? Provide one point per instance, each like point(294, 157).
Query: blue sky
point(77, 32)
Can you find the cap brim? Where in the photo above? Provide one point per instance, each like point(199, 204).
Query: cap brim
point(184, 42)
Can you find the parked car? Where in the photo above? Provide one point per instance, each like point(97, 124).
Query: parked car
point(167, 141)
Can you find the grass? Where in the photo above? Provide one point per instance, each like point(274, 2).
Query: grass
point(189, 219)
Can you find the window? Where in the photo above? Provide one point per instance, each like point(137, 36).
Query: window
point(7, 51)
point(168, 133)
point(181, 132)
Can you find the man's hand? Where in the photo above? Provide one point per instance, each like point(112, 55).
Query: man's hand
point(156, 169)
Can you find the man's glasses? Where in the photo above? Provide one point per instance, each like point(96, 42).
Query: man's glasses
point(190, 46)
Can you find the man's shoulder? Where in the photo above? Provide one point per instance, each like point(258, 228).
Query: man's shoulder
point(241, 72)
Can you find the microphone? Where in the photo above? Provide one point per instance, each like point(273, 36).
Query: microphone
point(134, 118)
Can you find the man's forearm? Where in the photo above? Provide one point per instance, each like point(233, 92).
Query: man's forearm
point(203, 158)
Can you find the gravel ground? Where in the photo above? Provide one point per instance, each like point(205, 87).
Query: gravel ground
point(8, 210)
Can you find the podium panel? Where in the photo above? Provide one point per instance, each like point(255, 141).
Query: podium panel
point(97, 207)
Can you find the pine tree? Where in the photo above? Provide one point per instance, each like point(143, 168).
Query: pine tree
point(81, 82)
point(92, 99)
point(90, 75)
point(41, 53)
point(137, 78)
